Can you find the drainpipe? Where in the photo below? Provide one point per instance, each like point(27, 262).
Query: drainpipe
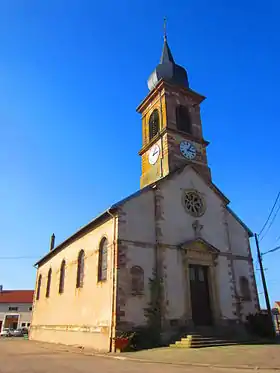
point(114, 290)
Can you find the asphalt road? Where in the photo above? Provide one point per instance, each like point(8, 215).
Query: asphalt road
point(20, 356)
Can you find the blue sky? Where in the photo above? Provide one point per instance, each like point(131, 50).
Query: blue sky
point(71, 76)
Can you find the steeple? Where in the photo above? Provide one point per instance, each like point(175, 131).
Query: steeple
point(171, 123)
point(167, 69)
point(166, 55)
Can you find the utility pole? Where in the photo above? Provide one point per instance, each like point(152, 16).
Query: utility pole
point(264, 283)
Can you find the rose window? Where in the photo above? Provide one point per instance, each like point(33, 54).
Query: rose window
point(194, 203)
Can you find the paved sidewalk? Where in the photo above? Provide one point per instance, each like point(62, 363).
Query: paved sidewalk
point(238, 357)
point(20, 356)
point(230, 358)
point(241, 356)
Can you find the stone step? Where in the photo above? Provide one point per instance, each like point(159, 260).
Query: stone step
point(215, 341)
point(198, 338)
point(202, 345)
point(205, 342)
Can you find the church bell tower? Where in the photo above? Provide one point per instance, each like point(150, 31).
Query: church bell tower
point(171, 123)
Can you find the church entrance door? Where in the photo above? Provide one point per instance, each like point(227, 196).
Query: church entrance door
point(200, 298)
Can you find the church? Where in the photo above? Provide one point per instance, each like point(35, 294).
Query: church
point(172, 255)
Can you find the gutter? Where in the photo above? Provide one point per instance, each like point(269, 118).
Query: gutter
point(112, 333)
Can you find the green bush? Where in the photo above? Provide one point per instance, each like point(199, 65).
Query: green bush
point(145, 338)
point(260, 324)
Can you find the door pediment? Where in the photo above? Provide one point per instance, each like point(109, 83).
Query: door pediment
point(200, 250)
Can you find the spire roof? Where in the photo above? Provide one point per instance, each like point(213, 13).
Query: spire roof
point(167, 69)
point(166, 55)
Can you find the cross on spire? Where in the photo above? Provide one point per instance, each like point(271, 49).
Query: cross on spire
point(164, 28)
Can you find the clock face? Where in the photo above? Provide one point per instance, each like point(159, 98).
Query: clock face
point(154, 154)
point(188, 149)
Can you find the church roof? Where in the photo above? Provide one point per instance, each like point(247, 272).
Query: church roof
point(166, 55)
point(100, 219)
point(168, 70)
point(251, 234)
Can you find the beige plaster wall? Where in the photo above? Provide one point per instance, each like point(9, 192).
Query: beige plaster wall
point(177, 224)
point(84, 312)
point(243, 268)
point(174, 227)
point(135, 304)
point(238, 236)
point(96, 340)
point(225, 288)
point(175, 285)
point(137, 222)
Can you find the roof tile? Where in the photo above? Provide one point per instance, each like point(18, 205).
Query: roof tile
point(16, 296)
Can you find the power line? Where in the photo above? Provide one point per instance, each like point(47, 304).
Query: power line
point(16, 257)
point(265, 224)
point(272, 250)
point(272, 221)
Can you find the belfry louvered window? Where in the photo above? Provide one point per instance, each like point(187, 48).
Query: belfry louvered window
point(153, 124)
point(183, 119)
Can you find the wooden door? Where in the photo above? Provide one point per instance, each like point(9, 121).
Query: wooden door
point(201, 309)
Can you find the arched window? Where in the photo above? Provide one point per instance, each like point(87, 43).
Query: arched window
point(48, 289)
point(244, 288)
point(137, 280)
point(62, 277)
point(183, 119)
point(102, 259)
point(80, 269)
point(39, 287)
point(153, 124)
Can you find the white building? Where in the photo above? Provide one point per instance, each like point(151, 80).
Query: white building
point(15, 308)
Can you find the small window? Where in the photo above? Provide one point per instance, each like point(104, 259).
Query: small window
point(13, 308)
point(244, 288)
point(28, 324)
point(48, 289)
point(192, 274)
point(23, 324)
point(137, 280)
point(39, 287)
point(102, 260)
point(80, 269)
point(30, 309)
point(200, 274)
point(61, 277)
point(153, 124)
point(183, 119)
